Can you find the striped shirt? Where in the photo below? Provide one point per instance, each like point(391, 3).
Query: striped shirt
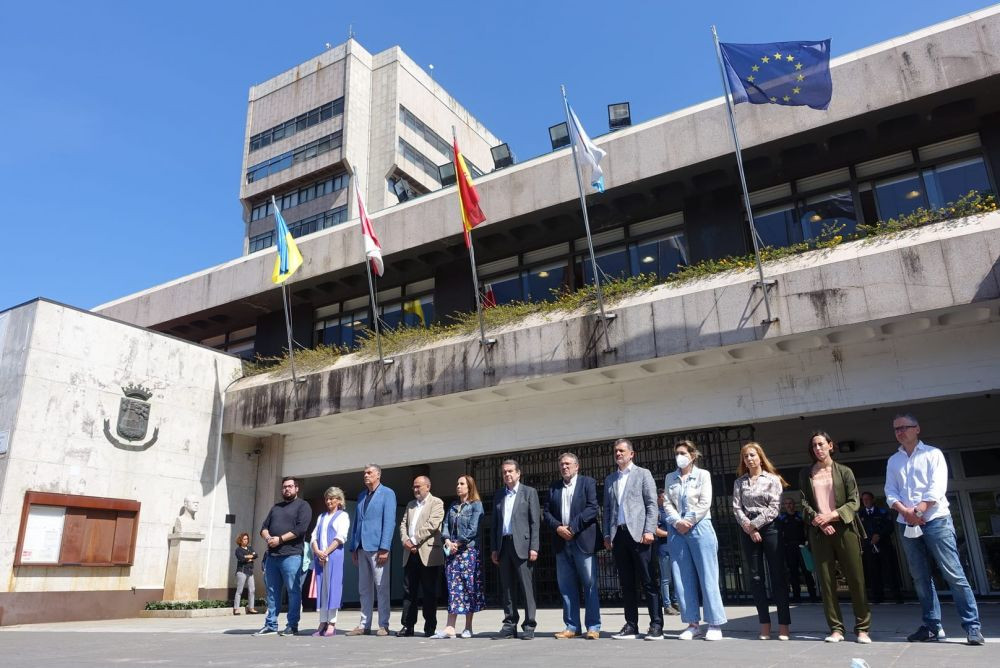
point(757, 503)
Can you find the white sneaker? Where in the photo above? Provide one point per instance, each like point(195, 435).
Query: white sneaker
point(690, 633)
point(714, 633)
point(466, 633)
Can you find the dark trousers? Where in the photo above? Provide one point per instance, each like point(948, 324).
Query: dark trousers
point(632, 561)
point(423, 581)
point(516, 574)
point(879, 567)
point(796, 565)
point(768, 551)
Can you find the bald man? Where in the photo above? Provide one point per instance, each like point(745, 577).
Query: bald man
point(423, 556)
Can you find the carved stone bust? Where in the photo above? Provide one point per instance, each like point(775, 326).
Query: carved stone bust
point(186, 522)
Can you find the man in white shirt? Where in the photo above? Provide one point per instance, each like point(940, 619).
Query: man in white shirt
point(423, 556)
point(916, 486)
point(516, 517)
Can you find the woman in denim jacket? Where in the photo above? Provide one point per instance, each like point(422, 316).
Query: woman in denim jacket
point(693, 544)
point(462, 570)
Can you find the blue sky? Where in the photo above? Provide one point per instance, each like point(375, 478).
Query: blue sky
point(123, 121)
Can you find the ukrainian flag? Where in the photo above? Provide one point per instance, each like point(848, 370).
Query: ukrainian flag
point(289, 258)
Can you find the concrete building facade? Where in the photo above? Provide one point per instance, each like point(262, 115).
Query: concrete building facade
point(863, 330)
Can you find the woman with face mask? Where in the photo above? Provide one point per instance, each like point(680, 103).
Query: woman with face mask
point(830, 504)
point(693, 545)
point(756, 499)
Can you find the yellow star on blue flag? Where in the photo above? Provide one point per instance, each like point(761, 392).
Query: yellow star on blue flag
point(790, 74)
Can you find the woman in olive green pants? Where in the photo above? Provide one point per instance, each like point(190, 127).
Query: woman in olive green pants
point(830, 505)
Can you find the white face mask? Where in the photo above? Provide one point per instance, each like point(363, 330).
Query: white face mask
point(683, 461)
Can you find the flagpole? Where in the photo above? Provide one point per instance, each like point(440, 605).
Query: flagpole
point(743, 181)
point(483, 341)
point(586, 225)
point(288, 312)
point(371, 293)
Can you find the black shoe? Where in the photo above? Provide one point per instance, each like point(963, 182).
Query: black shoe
point(655, 632)
point(628, 632)
point(527, 634)
point(975, 636)
point(289, 631)
point(266, 631)
point(405, 632)
point(428, 631)
point(506, 633)
point(923, 634)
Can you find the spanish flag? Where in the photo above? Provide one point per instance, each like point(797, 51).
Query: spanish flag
point(468, 199)
point(289, 258)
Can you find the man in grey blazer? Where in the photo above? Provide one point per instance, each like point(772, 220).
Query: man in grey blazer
point(516, 519)
point(630, 516)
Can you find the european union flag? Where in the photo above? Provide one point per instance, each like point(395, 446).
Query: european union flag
point(793, 74)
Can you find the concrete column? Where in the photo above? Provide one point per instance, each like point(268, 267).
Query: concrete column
point(272, 454)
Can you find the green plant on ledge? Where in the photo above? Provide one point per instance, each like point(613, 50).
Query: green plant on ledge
point(402, 339)
point(187, 605)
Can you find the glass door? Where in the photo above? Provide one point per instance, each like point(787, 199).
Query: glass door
point(962, 542)
point(985, 506)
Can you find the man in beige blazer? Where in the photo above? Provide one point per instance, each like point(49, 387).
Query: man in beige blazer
point(423, 556)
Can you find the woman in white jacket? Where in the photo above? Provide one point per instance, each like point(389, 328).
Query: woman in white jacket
point(693, 545)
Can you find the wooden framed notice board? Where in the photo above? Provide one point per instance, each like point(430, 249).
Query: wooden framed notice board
point(74, 530)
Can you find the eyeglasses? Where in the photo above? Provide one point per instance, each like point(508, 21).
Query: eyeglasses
point(904, 427)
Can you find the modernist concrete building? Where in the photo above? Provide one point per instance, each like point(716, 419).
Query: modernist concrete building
point(381, 114)
point(863, 329)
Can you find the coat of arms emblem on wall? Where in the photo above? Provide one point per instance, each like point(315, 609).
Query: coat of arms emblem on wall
point(133, 419)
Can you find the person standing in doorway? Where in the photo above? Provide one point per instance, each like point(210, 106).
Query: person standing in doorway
point(516, 517)
point(916, 487)
point(371, 539)
point(792, 530)
point(571, 513)
point(629, 530)
point(668, 593)
point(284, 530)
point(877, 552)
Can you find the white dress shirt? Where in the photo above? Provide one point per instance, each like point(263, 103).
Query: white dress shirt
point(620, 491)
point(567, 499)
point(922, 476)
point(508, 507)
point(415, 520)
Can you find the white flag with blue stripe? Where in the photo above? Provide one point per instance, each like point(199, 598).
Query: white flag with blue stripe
point(586, 151)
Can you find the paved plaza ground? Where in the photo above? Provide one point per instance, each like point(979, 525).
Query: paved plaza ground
point(226, 641)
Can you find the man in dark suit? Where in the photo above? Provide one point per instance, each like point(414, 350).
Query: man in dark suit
point(629, 529)
point(877, 552)
point(515, 548)
point(572, 514)
point(792, 532)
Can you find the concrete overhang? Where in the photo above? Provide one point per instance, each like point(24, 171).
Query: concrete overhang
point(942, 276)
point(963, 52)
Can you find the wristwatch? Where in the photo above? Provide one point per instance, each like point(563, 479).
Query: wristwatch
point(919, 513)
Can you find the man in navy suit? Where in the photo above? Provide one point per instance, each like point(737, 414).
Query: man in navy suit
point(515, 548)
point(572, 514)
point(371, 538)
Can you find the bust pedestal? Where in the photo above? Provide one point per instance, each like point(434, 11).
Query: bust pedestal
point(183, 566)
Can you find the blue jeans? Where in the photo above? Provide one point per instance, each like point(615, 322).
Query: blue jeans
point(938, 545)
point(283, 572)
point(665, 580)
point(573, 570)
point(695, 557)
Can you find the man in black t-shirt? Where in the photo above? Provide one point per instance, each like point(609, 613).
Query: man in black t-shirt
point(284, 530)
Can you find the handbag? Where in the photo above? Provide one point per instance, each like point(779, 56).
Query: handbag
point(807, 558)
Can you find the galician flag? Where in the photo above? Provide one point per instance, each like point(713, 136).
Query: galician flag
point(373, 249)
point(586, 152)
point(289, 258)
point(468, 198)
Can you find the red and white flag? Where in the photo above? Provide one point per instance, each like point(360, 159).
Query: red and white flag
point(373, 249)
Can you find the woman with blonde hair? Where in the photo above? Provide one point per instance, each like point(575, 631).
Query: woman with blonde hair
point(756, 504)
point(694, 547)
point(830, 505)
point(327, 544)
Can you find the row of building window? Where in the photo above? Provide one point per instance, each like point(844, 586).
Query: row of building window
point(297, 124)
point(294, 157)
point(238, 342)
point(428, 166)
point(407, 118)
point(320, 221)
point(301, 196)
point(880, 189)
point(346, 329)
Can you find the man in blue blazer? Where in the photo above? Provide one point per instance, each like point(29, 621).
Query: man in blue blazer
point(516, 518)
point(572, 514)
point(371, 538)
